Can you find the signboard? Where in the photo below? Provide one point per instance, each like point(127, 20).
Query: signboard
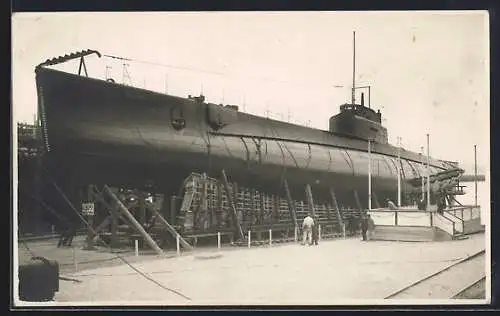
point(88, 209)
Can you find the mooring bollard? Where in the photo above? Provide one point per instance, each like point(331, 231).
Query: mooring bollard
point(218, 240)
point(270, 237)
point(75, 263)
point(178, 244)
point(249, 238)
point(319, 232)
point(136, 244)
point(296, 233)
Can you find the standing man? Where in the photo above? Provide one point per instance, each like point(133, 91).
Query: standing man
point(315, 231)
point(307, 226)
point(364, 225)
point(371, 227)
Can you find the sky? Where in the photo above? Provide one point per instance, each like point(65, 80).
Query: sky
point(428, 71)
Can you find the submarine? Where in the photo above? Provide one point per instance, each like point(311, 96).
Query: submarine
point(100, 132)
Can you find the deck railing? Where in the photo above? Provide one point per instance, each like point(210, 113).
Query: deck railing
point(465, 212)
point(416, 218)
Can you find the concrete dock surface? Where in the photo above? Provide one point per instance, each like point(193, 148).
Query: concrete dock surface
point(327, 274)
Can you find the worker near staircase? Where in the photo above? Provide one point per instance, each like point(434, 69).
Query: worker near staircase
point(441, 202)
point(364, 226)
point(307, 227)
point(370, 227)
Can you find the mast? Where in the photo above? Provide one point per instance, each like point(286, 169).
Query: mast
point(423, 173)
point(428, 176)
point(399, 171)
point(475, 176)
point(353, 97)
point(369, 175)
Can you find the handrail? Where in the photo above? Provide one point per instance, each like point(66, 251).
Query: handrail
point(397, 210)
point(461, 221)
point(449, 213)
point(440, 216)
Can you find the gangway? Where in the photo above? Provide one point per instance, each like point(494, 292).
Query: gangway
point(406, 224)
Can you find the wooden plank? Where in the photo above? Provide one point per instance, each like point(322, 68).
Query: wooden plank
point(239, 231)
point(133, 221)
point(171, 229)
point(310, 200)
point(291, 205)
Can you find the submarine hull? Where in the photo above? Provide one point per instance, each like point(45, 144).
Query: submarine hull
point(105, 133)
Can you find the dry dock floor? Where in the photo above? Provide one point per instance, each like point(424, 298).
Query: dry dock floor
point(333, 271)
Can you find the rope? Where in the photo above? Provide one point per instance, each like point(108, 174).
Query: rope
point(109, 247)
point(211, 72)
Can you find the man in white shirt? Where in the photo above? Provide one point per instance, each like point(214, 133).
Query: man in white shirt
point(307, 226)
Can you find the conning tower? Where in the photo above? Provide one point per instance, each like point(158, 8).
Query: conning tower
point(357, 120)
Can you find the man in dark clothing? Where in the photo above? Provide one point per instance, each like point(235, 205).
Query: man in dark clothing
point(364, 226)
point(355, 222)
point(67, 235)
point(70, 235)
point(441, 204)
point(315, 231)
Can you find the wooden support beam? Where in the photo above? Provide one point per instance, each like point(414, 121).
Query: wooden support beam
point(336, 207)
point(101, 226)
point(358, 203)
point(310, 200)
point(112, 210)
point(90, 218)
point(340, 220)
point(220, 204)
point(114, 229)
point(204, 200)
point(133, 221)
point(375, 199)
point(262, 208)
point(239, 214)
point(171, 230)
point(173, 210)
point(115, 216)
point(253, 206)
point(239, 231)
point(141, 196)
point(291, 205)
